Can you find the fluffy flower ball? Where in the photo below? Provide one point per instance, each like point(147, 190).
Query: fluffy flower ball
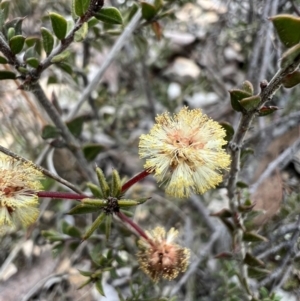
point(160, 257)
point(185, 151)
point(19, 183)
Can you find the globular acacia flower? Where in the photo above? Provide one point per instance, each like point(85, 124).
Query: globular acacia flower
point(185, 151)
point(160, 257)
point(19, 183)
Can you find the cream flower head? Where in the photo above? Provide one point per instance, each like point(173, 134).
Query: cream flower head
point(185, 151)
point(19, 183)
point(160, 257)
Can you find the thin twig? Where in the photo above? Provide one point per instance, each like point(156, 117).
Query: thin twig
point(277, 128)
point(108, 60)
point(280, 162)
point(296, 9)
point(66, 42)
point(204, 214)
point(41, 169)
point(71, 142)
point(236, 147)
point(283, 269)
point(203, 252)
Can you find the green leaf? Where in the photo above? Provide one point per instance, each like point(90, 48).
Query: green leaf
point(95, 190)
point(59, 25)
point(223, 213)
point(253, 261)
point(83, 209)
point(85, 273)
point(129, 203)
point(81, 6)
point(235, 97)
point(49, 233)
point(288, 29)
point(109, 15)
point(4, 6)
point(48, 40)
point(91, 151)
point(61, 57)
point(30, 53)
point(75, 126)
point(32, 62)
point(228, 129)
point(85, 283)
point(148, 10)
point(81, 34)
point(158, 4)
point(94, 202)
point(57, 249)
point(4, 74)
point(247, 87)
point(241, 184)
point(50, 131)
point(30, 41)
point(289, 57)
point(94, 226)
point(3, 60)
point(257, 273)
point(66, 67)
point(102, 182)
point(99, 287)
point(92, 22)
point(252, 236)
point(250, 103)
point(267, 110)
point(70, 230)
point(291, 80)
point(2, 19)
point(108, 222)
point(16, 44)
point(116, 186)
point(16, 24)
point(133, 9)
point(11, 33)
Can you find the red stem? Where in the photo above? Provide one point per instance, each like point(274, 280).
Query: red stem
point(136, 227)
point(135, 179)
point(61, 195)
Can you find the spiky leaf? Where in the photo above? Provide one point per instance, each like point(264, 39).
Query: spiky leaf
point(94, 226)
point(83, 209)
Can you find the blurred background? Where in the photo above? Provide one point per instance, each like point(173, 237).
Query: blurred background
point(192, 55)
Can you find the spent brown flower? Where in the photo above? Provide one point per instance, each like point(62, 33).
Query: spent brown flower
point(159, 257)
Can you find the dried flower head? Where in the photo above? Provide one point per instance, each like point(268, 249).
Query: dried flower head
point(19, 183)
point(160, 257)
point(185, 151)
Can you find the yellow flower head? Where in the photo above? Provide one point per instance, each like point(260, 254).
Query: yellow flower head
point(18, 184)
point(161, 257)
point(185, 151)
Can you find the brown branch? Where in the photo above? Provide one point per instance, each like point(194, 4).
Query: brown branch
point(71, 142)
